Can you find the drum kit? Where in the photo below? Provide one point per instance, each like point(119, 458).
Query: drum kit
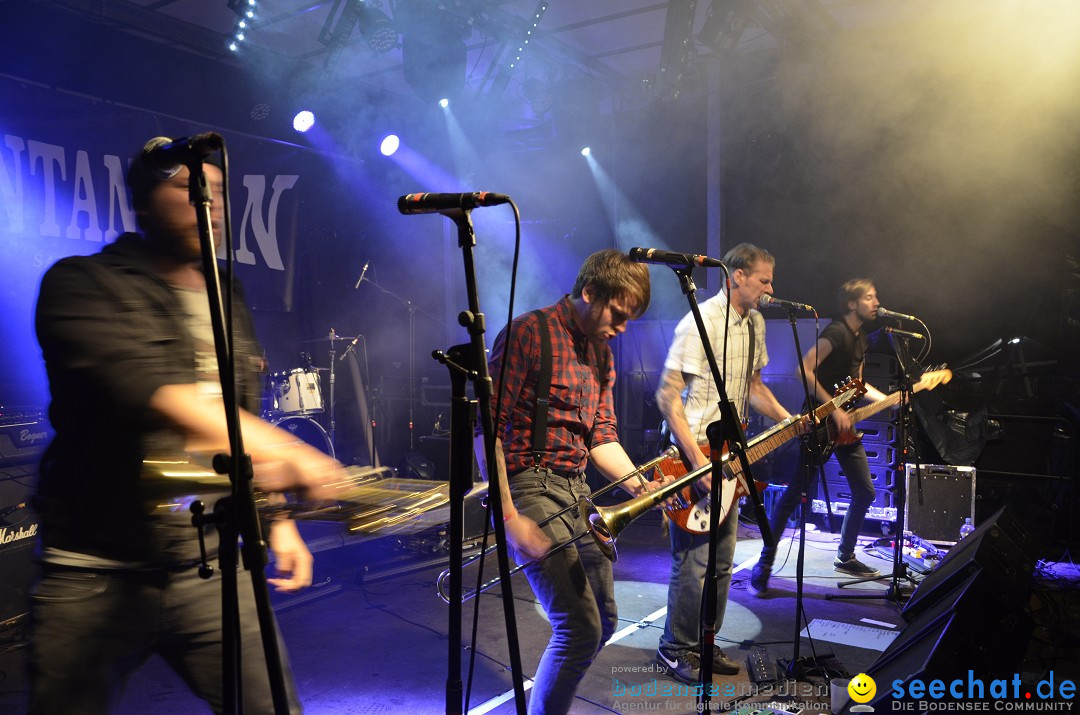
point(295, 397)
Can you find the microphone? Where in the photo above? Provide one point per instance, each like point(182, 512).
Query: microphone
point(671, 258)
point(905, 333)
point(163, 156)
point(882, 313)
point(361, 278)
point(352, 344)
point(432, 203)
point(767, 301)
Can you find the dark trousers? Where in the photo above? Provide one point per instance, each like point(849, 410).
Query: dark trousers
point(852, 460)
point(92, 629)
point(575, 587)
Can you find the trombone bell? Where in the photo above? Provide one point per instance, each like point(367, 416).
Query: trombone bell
point(605, 523)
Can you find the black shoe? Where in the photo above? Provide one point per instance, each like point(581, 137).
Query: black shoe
point(854, 567)
point(683, 668)
point(758, 585)
point(721, 664)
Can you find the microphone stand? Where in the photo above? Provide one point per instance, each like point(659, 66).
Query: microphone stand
point(235, 516)
point(411, 307)
point(727, 429)
point(458, 360)
point(473, 358)
point(799, 668)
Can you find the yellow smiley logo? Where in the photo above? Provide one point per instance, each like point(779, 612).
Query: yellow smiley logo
point(862, 688)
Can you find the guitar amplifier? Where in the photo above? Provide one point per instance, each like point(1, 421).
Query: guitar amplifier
point(948, 499)
point(24, 434)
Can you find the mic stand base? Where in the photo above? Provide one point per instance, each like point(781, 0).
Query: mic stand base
point(802, 668)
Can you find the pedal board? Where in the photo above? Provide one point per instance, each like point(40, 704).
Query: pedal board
point(760, 668)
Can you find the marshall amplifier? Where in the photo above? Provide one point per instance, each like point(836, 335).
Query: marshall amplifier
point(18, 541)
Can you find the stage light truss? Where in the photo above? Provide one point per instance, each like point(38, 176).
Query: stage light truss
point(677, 52)
point(245, 11)
point(347, 15)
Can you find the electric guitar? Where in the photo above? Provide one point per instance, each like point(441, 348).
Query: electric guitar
point(828, 439)
point(693, 514)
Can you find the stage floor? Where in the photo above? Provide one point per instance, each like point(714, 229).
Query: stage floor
point(380, 646)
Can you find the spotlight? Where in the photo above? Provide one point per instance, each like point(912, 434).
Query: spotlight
point(303, 121)
point(377, 28)
point(389, 145)
point(444, 102)
point(586, 151)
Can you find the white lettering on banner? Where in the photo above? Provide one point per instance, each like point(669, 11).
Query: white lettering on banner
point(118, 197)
point(11, 185)
point(49, 154)
point(265, 232)
point(48, 164)
point(84, 201)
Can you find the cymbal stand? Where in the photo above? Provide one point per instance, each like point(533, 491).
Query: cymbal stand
point(331, 424)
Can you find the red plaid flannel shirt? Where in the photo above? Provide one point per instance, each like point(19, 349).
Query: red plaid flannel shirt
point(581, 411)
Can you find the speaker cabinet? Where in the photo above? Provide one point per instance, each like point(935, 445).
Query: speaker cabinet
point(948, 498)
point(18, 538)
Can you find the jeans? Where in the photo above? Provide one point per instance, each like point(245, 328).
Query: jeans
point(93, 628)
point(686, 585)
point(575, 587)
point(852, 460)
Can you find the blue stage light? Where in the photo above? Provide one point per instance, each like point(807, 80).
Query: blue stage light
point(303, 121)
point(389, 145)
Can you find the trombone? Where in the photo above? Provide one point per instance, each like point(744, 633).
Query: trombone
point(606, 523)
point(671, 452)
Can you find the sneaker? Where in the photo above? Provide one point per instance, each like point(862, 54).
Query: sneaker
point(854, 567)
point(721, 664)
point(684, 668)
point(758, 585)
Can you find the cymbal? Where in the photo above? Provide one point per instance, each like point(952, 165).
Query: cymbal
point(327, 337)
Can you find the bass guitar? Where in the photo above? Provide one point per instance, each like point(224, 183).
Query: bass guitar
point(829, 439)
point(693, 514)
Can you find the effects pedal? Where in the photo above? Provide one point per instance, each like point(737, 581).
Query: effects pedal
point(759, 668)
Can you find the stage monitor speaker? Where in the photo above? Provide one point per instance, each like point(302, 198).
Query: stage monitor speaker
point(950, 637)
point(995, 552)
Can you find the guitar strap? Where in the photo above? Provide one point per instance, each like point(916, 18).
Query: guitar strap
point(749, 362)
point(543, 390)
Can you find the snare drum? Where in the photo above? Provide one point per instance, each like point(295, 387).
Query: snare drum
point(308, 430)
point(296, 392)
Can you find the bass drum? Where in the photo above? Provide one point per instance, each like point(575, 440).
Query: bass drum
point(308, 430)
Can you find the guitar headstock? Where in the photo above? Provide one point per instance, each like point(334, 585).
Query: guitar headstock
point(849, 392)
point(934, 376)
